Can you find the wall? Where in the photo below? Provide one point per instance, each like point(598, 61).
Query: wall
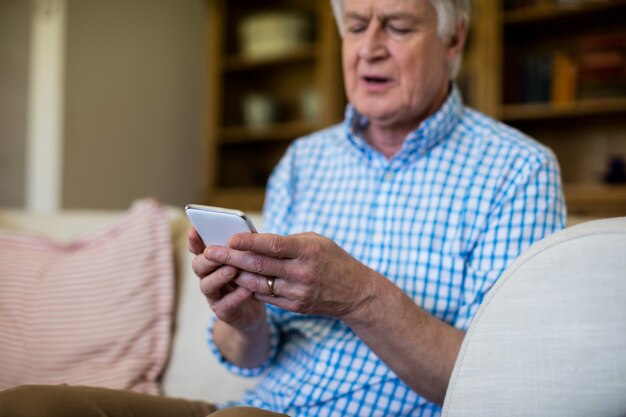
point(134, 97)
point(14, 59)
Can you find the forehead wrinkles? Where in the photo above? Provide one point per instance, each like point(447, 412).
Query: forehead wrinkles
point(411, 10)
point(384, 17)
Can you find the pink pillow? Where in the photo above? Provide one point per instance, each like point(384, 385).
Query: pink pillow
point(96, 311)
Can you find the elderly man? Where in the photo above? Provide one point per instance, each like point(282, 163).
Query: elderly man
point(417, 204)
point(387, 230)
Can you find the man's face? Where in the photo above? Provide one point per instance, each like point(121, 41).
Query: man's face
point(396, 69)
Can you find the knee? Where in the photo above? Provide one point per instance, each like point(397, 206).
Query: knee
point(28, 401)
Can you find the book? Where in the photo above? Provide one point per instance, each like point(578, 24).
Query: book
point(564, 77)
point(602, 66)
point(588, 67)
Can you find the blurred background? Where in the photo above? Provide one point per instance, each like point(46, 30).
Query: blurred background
point(101, 102)
point(106, 101)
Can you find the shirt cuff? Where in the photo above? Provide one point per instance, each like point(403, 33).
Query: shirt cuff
point(238, 370)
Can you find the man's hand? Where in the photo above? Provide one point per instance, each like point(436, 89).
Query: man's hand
point(233, 304)
point(313, 275)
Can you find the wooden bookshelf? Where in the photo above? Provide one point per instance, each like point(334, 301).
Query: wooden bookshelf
point(307, 53)
point(540, 111)
point(241, 152)
point(565, 53)
point(583, 126)
point(285, 131)
point(596, 200)
point(243, 198)
point(553, 11)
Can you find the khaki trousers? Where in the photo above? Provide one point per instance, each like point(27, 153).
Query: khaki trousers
point(80, 401)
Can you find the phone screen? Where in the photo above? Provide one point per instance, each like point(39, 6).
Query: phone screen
point(216, 225)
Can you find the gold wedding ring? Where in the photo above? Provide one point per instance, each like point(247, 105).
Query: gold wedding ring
point(270, 286)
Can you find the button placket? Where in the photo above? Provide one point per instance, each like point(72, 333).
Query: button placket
point(380, 213)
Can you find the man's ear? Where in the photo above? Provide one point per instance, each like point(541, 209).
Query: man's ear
point(456, 42)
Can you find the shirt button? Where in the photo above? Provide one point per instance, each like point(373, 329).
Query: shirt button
point(388, 176)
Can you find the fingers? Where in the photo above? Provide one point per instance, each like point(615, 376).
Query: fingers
point(268, 244)
point(202, 266)
point(258, 284)
point(216, 285)
point(287, 295)
point(195, 244)
point(247, 261)
point(258, 288)
point(297, 306)
point(227, 308)
point(230, 302)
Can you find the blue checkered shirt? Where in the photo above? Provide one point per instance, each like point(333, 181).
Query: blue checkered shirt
point(442, 219)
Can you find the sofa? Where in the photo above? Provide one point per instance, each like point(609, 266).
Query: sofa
point(549, 339)
point(185, 367)
point(526, 352)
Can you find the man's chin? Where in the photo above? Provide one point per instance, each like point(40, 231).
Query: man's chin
point(379, 115)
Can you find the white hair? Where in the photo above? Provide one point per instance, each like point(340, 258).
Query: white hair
point(450, 13)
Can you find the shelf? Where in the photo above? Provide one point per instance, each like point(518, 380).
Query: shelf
point(548, 12)
point(596, 200)
point(545, 111)
point(286, 131)
point(583, 134)
point(234, 63)
point(240, 157)
point(248, 199)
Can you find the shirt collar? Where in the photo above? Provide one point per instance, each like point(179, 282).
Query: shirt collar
point(431, 131)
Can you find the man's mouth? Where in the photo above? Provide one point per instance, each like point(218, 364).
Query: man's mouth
point(376, 84)
point(374, 79)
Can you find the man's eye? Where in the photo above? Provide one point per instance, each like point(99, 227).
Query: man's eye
point(399, 30)
point(356, 28)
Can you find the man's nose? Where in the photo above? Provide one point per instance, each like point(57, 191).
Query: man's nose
point(373, 46)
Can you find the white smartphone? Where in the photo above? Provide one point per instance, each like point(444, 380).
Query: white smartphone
point(216, 225)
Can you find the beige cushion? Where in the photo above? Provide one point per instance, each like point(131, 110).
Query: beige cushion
point(550, 337)
point(93, 310)
point(193, 371)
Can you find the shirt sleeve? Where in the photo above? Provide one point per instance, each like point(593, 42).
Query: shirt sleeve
point(238, 370)
point(531, 207)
